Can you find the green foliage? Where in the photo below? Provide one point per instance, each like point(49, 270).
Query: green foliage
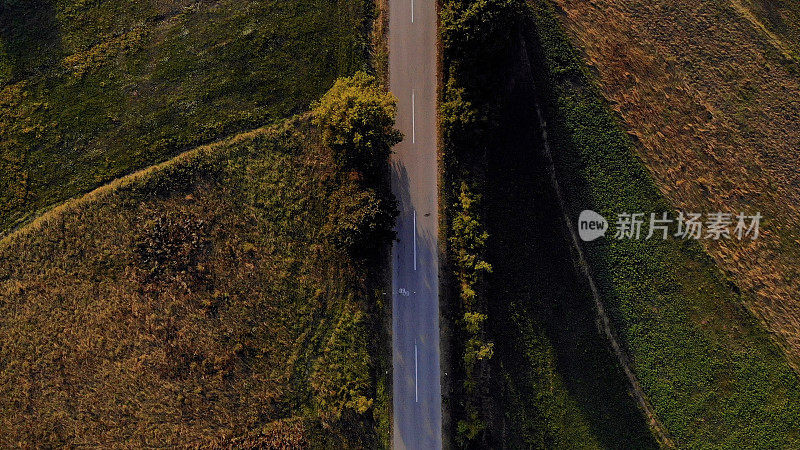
point(466, 247)
point(461, 123)
point(474, 321)
point(90, 91)
point(468, 240)
point(475, 29)
point(476, 350)
point(471, 427)
point(467, 243)
point(357, 118)
point(476, 34)
point(364, 223)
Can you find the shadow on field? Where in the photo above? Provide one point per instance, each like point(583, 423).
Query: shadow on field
point(540, 311)
point(29, 36)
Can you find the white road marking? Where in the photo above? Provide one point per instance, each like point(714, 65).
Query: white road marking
point(416, 391)
point(413, 119)
point(412, 11)
point(415, 240)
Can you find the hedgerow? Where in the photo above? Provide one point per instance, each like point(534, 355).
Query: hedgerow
point(473, 34)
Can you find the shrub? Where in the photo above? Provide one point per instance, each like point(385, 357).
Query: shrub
point(357, 119)
point(171, 242)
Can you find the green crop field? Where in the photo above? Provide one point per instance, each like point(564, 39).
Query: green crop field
point(572, 393)
point(551, 381)
point(92, 90)
point(712, 373)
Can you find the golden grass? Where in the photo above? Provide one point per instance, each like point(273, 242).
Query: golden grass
point(200, 302)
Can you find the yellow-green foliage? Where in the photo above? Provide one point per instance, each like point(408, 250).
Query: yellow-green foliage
point(357, 118)
point(469, 241)
point(207, 300)
point(336, 389)
point(467, 247)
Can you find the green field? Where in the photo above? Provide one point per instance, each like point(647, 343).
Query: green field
point(551, 382)
point(220, 297)
point(713, 375)
point(151, 313)
point(90, 91)
point(572, 393)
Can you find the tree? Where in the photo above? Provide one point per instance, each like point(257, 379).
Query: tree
point(477, 34)
point(357, 120)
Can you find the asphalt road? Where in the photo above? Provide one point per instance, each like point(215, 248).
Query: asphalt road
point(415, 282)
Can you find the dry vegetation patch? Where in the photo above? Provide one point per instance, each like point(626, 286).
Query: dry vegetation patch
point(210, 300)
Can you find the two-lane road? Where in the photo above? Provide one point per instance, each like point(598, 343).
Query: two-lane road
point(415, 280)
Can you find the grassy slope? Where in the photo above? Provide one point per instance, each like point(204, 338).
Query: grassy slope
point(780, 17)
point(713, 375)
point(150, 312)
point(90, 91)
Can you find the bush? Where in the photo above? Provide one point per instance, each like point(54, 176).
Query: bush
point(477, 34)
point(357, 118)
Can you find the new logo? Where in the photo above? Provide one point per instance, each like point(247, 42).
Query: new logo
point(591, 225)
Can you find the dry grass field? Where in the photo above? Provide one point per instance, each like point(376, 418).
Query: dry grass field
point(152, 313)
point(711, 93)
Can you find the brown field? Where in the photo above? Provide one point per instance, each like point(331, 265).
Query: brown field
point(152, 313)
point(711, 93)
